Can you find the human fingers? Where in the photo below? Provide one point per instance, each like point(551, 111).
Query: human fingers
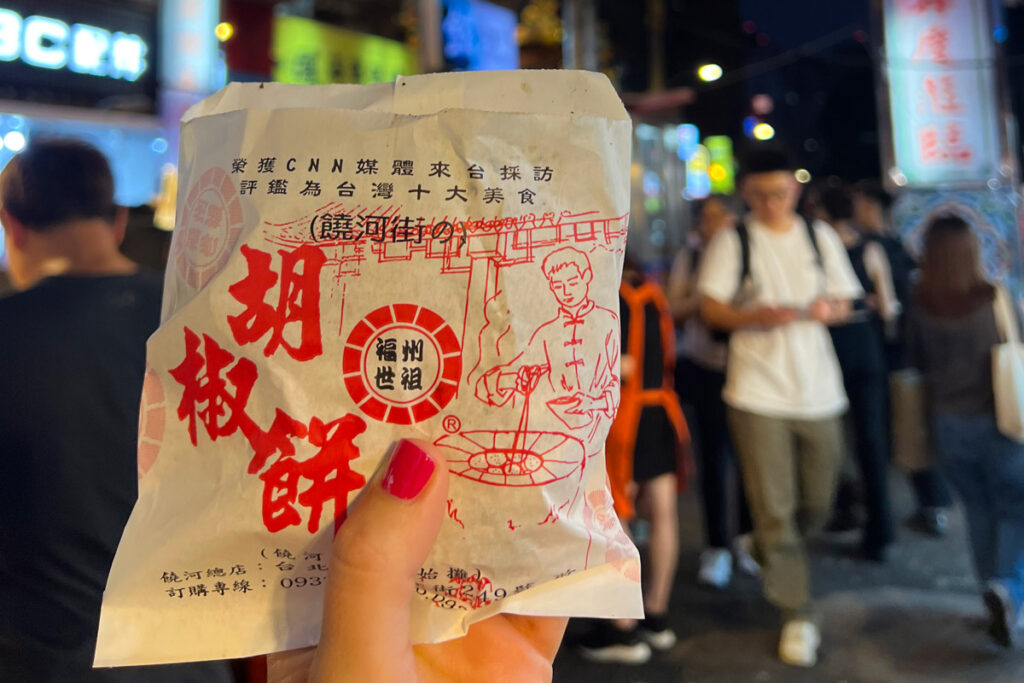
point(387, 536)
point(501, 649)
point(770, 316)
point(787, 315)
point(820, 310)
point(545, 633)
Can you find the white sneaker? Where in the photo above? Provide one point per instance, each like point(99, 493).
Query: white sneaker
point(606, 644)
point(743, 553)
point(657, 632)
point(715, 567)
point(799, 643)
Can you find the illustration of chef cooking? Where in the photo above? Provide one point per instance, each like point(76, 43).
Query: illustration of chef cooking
point(579, 390)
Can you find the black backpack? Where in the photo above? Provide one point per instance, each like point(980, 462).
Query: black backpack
point(744, 236)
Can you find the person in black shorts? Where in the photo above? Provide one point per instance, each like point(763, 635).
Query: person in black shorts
point(641, 452)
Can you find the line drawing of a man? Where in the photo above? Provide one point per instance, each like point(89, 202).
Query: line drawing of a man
point(571, 361)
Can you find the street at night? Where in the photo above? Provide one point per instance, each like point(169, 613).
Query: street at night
point(916, 619)
point(487, 341)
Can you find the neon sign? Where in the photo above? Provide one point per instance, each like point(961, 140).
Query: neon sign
point(49, 43)
point(940, 66)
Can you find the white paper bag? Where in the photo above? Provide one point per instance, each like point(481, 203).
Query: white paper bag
point(436, 258)
point(1008, 370)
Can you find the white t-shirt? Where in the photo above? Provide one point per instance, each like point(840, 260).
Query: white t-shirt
point(695, 341)
point(789, 371)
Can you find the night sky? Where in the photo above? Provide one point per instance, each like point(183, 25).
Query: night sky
point(825, 105)
point(815, 59)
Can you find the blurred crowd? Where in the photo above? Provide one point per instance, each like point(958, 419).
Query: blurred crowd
point(811, 351)
point(807, 346)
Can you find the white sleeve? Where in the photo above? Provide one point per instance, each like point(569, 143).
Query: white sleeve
point(876, 263)
point(840, 280)
point(720, 267)
point(678, 287)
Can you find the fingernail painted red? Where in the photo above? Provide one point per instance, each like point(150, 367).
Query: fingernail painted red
point(408, 472)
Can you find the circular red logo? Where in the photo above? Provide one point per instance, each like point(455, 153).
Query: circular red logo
point(207, 228)
point(402, 364)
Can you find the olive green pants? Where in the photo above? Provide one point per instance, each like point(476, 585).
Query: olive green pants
point(790, 468)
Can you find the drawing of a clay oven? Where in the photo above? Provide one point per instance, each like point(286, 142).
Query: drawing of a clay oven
point(512, 458)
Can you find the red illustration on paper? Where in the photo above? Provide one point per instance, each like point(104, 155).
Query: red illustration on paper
point(511, 457)
point(209, 226)
point(599, 515)
point(569, 397)
point(152, 416)
point(402, 364)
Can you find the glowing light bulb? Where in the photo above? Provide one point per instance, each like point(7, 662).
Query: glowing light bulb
point(709, 72)
point(224, 31)
point(764, 131)
point(14, 141)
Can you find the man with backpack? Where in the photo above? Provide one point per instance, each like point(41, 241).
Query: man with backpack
point(775, 282)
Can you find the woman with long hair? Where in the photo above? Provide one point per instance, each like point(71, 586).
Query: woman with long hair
point(952, 327)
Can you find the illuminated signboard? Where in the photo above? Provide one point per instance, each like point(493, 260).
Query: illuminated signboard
point(698, 182)
point(75, 53)
point(942, 93)
point(479, 36)
point(722, 166)
point(188, 46)
point(687, 139)
point(50, 43)
point(308, 52)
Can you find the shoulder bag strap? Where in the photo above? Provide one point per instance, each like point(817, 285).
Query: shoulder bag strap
point(744, 236)
point(813, 236)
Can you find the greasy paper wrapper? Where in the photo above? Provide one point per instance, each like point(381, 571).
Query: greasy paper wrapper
point(442, 261)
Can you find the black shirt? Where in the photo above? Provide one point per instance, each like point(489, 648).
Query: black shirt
point(955, 356)
point(72, 359)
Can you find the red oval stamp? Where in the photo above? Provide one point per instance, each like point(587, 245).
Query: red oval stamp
point(209, 226)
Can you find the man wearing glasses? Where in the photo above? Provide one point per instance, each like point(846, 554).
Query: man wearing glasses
point(775, 283)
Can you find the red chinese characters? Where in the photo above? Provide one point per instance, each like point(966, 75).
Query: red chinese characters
point(217, 387)
point(298, 301)
point(933, 45)
point(943, 143)
point(943, 124)
point(923, 6)
point(216, 391)
point(214, 394)
point(329, 472)
point(942, 94)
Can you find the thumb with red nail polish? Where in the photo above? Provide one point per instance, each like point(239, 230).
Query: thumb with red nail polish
point(377, 553)
point(367, 606)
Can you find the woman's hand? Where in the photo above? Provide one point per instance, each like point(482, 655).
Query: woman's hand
point(377, 554)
